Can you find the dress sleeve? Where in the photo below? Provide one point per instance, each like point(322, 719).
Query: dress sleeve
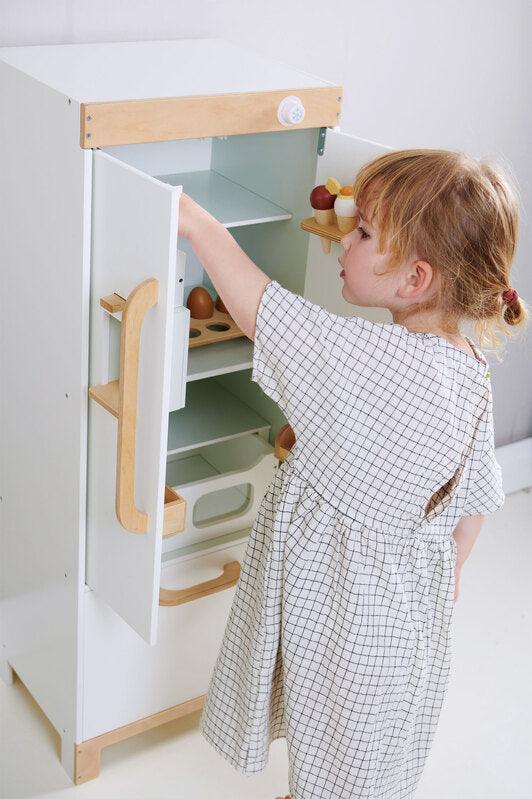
point(300, 349)
point(483, 482)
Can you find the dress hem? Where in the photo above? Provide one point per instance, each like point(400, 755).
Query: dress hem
point(250, 767)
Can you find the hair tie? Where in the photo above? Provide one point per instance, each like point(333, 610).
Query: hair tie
point(510, 296)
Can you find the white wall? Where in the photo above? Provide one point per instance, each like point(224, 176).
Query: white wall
point(417, 73)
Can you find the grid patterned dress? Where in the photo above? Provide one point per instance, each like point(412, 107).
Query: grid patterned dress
point(339, 634)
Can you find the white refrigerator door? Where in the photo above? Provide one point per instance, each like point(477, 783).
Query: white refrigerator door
point(134, 237)
point(343, 157)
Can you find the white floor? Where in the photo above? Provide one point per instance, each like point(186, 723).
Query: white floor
point(482, 750)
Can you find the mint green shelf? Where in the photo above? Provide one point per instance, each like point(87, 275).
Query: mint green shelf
point(230, 203)
point(211, 414)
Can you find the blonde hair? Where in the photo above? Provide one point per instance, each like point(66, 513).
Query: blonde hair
point(458, 214)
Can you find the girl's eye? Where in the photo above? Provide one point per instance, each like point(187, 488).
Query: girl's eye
point(363, 234)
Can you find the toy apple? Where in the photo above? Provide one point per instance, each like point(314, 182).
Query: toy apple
point(322, 200)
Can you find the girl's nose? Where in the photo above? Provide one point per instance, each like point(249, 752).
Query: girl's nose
point(345, 241)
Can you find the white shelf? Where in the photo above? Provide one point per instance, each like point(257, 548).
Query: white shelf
point(228, 202)
point(219, 358)
point(192, 550)
point(211, 414)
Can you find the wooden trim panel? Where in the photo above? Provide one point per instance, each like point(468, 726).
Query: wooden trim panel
point(87, 754)
point(167, 118)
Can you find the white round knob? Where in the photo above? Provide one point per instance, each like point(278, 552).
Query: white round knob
point(291, 111)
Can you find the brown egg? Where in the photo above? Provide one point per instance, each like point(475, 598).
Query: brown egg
point(200, 303)
point(219, 305)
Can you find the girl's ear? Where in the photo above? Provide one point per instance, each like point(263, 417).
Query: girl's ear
point(417, 279)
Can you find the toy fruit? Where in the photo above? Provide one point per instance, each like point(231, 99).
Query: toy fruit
point(333, 185)
point(345, 209)
point(200, 303)
point(322, 201)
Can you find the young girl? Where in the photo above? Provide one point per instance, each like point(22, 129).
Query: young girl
point(339, 633)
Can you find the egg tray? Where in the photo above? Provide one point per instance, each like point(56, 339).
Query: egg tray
point(206, 336)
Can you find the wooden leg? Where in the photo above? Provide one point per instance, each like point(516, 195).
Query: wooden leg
point(87, 761)
point(87, 754)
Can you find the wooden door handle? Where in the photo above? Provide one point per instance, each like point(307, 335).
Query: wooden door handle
point(228, 578)
point(119, 397)
point(139, 301)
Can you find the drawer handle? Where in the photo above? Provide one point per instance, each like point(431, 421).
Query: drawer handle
point(119, 397)
point(228, 578)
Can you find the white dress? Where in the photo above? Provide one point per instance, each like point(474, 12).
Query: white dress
point(339, 634)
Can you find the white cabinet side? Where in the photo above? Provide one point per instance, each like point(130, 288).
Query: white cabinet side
point(44, 312)
point(344, 155)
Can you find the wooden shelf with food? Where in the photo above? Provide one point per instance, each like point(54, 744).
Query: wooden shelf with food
point(334, 212)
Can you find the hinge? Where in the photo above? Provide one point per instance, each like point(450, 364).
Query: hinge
point(321, 141)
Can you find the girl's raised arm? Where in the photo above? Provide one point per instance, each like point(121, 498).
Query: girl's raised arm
point(237, 279)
